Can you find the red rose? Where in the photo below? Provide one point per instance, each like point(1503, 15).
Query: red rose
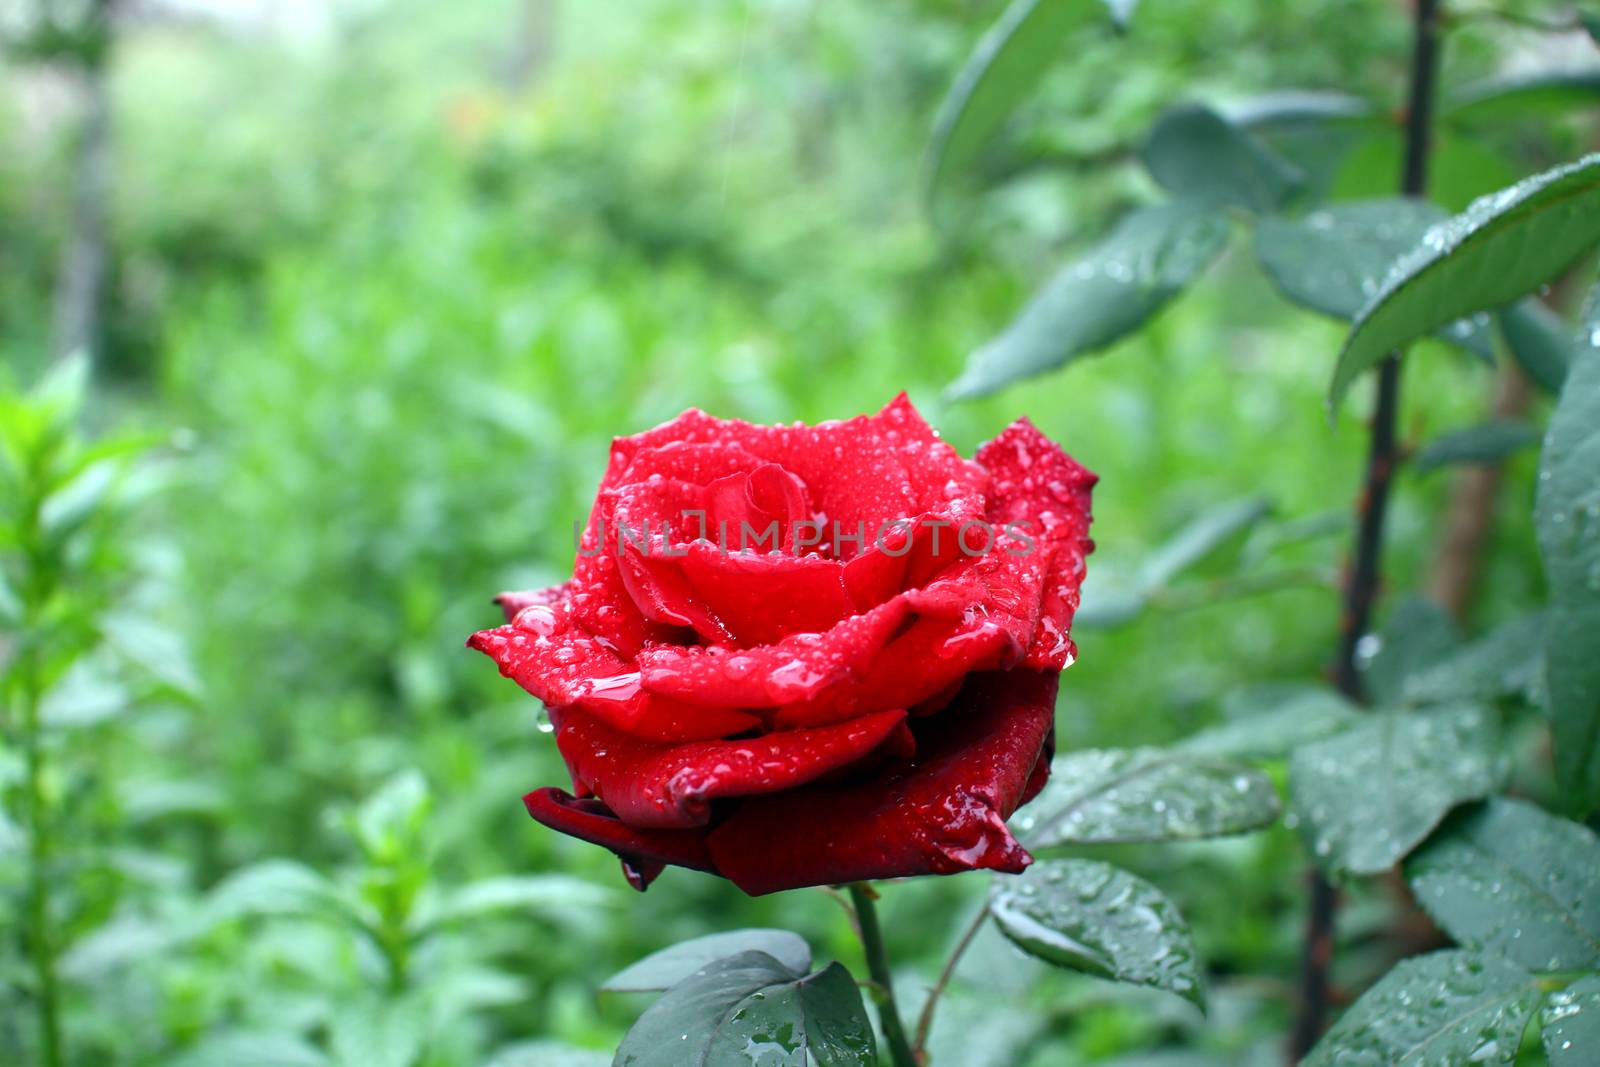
point(799, 655)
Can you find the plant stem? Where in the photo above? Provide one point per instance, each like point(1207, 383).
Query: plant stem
point(925, 1020)
point(1362, 578)
point(40, 936)
point(894, 1031)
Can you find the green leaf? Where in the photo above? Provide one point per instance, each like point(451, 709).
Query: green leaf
point(1571, 1017)
point(1005, 67)
point(537, 895)
point(666, 968)
point(1198, 155)
point(1144, 794)
point(751, 1008)
point(388, 824)
point(1290, 107)
point(1539, 341)
point(1502, 247)
point(1417, 634)
point(1489, 442)
point(1591, 23)
point(1334, 259)
point(1093, 917)
point(281, 888)
point(378, 1032)
point(1523, 96)
point(244, 1048)
point(1440, 1010)
point(1106, 294)
point(1275, 722)
point(1202, 536)
point(1365, 798)
point(1507, 661)
point(1567, 520)
point(1507, 878)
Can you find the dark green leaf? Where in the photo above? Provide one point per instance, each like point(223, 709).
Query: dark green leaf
point(1510, 879)
point(1203, 535)
point(1291, 107)
point(1334, 259)
point(1367, 797)
point(1539, 341)
point(1198, 155)
point(1145, 794)
point(1523, 96)
point(666, 968)
point(1489, 442)
point(1005, 67)
point(1093, 917)
point(1275, 722)
point(1313, 131)
point(1591, 23)
point(750, 1008)
point(1417, 634)
point(1567, 517)
point(1441, 1010)
point(1153, 255)
point(1571, 1017)
point(1507, 661)
point(1502, 247)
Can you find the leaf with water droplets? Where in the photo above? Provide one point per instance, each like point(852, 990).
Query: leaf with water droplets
point(1007, 64)
point(1539, 341)
point(1567, 520)
point(1273, 720)
point(1368, 796)
point(1488, 442)
point(1144, 794)
point(751, 1009)
point(1197, 154)
point(1440, 1010)
point(1510, 879)
point(666, 968)
point(1417, 634)
point(1502, 247)
point(1334, 259)
point(1507, 661)
point(1571, 1022)
point(1107, 293)
point(1093, 917)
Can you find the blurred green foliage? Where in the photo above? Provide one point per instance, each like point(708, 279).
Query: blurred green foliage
point(385, 286)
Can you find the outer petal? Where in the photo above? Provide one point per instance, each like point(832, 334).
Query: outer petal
point(941, 814)
point(643, 852)
point(673, 786)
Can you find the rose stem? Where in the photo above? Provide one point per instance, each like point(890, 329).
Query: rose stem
point(1362, 578)
point(925, 1020)
point(894, 1031)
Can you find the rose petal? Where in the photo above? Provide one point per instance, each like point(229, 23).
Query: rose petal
point(643, 852)
point(513, 602)
point(943, 813)
point(649, 785)
point(762, 598)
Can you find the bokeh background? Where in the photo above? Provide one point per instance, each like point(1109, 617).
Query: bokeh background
point(379, 279)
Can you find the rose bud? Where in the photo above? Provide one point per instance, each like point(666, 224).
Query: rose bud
point(803, 655)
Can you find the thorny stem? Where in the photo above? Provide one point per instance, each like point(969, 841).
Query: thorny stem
point(894, 1031)
point(925, 1020)
point(1362, 578)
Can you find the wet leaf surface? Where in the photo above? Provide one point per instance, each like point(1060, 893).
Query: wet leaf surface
point(666, 968)
point(1567, 520)
point(1416, 635)
point(1334, 259)
point(1102, 296)
point(1195, 153)
point(751, 1009)
point(1093, 917)
point(1145, 794)
point(1512, 880)
point(1571, 1024)
point(1365, 798)
point(1441, 1010)
point(1500, 248)
point(1540, 342)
